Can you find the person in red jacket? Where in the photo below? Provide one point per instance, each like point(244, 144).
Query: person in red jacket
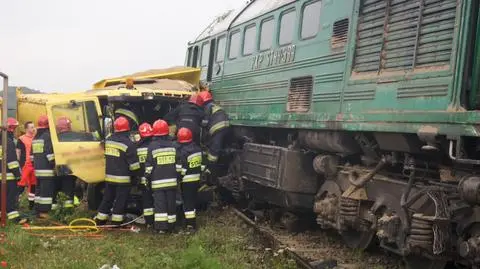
point(24, 147)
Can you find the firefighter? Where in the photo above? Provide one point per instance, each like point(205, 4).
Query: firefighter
point(64, 183)
point(189, 162)
point(13, 172)
point(44, 164)
point(160, 170)
point(146, 133)
point(24, 148)
point(128, 114)
point(217, 126)
point(121, 164)
point(188, 115)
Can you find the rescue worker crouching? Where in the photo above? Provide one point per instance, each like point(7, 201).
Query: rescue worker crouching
point(189, 162)
point(188, 115)
point(44, 164)
point(121, 162)
point(217, 126)
point(146, 133)
point(64, 183)
point(13, 173)
point(160, 171)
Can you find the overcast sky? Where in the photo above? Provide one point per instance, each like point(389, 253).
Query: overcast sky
point(67, 45)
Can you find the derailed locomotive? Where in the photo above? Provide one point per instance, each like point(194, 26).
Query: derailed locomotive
point(362, 111)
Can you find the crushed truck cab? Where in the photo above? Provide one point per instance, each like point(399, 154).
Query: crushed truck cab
point(80, 152)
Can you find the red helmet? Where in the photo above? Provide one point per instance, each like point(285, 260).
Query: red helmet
point(64, 124)
point(160, 128)
point(121, 125)
point(196, 99)
point(184, 135)
point(206, 96)
point(12, 124)
point(145, 130)
point(42, 122)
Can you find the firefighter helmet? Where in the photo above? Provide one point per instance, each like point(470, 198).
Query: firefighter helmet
point(160, 128)
point(196, 99)
point(64, 124)
point(42, 122)
point(12, 124)
point(121, 125)
point(184, 135)
point(206, 96)
point(145, 130)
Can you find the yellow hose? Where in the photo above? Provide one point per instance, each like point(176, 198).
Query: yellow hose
point(71, 226)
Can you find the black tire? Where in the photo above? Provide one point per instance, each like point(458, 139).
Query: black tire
point(95, 195)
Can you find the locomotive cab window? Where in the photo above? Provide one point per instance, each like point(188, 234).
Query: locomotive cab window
point(189, 57)
point(221, 49)
point(287, 27)
point(311, 19)
point(249, 39)
point(205, 54)
point(266, 34)
point(234, 45)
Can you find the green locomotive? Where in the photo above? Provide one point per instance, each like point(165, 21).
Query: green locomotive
point(362, 111)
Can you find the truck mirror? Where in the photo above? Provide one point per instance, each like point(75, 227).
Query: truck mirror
point(107, 127)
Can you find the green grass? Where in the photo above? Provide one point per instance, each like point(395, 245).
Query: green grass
point(222, 241)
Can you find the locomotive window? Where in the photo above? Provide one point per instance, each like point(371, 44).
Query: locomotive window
point(221, 48)
point(205, 54)
point(287, 27)
point(234, 45)
point(311, 19)
point(266, 34)
point(189, 56)
point(249, 39)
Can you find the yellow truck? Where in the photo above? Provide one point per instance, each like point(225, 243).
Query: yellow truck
point(154, 93)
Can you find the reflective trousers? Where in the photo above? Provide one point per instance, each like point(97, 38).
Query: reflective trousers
point(215, 145)
point(189, 196)
point(44, 193)
point(164, 201)
point(65, 184)
point(115, 196)
point(148, 209)
point(12, 200)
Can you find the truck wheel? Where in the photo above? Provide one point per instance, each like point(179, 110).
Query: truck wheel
point(95, 195)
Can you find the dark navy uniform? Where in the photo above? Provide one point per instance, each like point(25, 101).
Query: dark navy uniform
point(217, 128)
point(147, 198)
point(189, 162)
point(13, 175)
point(161, 171)
point(44, 164)
point(121, 163)
point(187, 115)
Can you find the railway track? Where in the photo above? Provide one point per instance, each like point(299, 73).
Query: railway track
point(318, 249)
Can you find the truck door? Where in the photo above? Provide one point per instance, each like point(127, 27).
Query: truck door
point(77, 146)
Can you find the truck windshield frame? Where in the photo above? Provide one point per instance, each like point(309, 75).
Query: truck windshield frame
point(84, 122)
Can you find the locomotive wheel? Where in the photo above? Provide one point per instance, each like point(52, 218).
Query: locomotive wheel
point(418, 262)
point(357, 239)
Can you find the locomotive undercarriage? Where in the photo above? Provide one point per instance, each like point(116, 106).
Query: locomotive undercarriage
point(407, 195)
